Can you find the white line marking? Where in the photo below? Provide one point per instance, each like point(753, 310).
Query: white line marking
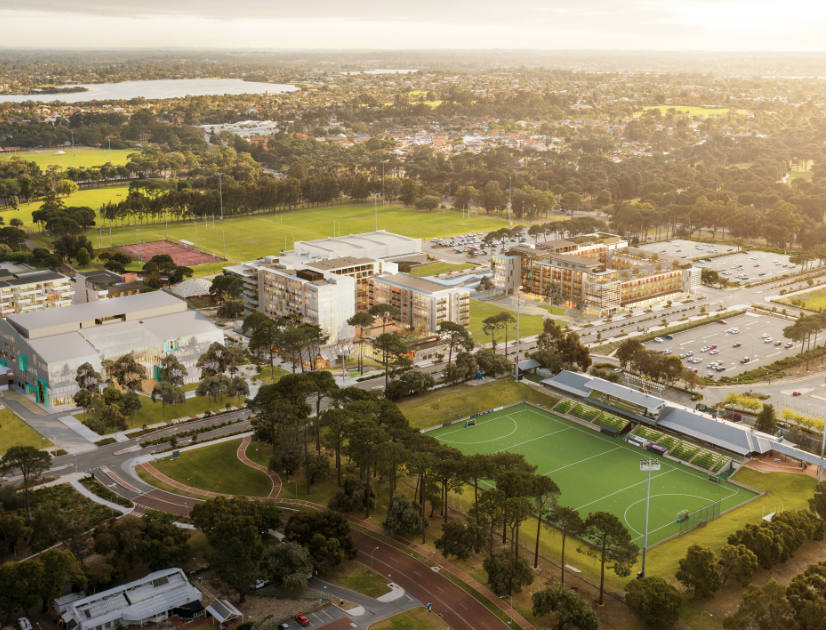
point(610, 450)
point(610, 494)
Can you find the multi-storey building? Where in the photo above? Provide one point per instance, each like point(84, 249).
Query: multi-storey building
point(318, 297)
point(360, 269)
point(43, 349)
point(597, 272)
point(422, 304)
point(33, 291)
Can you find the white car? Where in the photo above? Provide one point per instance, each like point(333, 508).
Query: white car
point(714, 352)
point(695, 360)
point(705, 349)
point(658, 340)
point(767, 340)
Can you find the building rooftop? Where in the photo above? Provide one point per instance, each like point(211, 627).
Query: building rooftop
point(380, 244)
point(339, 263)
point(140, 305)
point(406, 281)
point(32, 277)
point(132, 602)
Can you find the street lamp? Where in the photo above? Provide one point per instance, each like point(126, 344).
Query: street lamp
point(647, 465)
point(374, 550)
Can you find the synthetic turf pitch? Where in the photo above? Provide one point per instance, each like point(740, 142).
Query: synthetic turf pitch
point(595, 472)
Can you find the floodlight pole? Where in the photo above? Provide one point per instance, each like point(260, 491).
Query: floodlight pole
point(376, 212)
point(820, 463)
point(647, 465)
point(516, 362)
point(220, 196)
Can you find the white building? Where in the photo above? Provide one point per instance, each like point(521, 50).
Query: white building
point(380, 245)
point(152, 598)
point(33, 291)
point(44, 349)
point(318, 297)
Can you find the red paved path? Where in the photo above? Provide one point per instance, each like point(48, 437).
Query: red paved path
point(459, 609)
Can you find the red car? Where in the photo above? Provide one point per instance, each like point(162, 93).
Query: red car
point(302, 620)
point(795, 393)
point(737, 345)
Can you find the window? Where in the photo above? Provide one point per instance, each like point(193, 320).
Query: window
point(21, 362)
point(170, 345)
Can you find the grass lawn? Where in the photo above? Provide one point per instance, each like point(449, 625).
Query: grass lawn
point(413, 619)
point(459, 401)
point(813, 300)
point(216, 468)
point(553, 310)
point(698, 112)
point(529, 325)
point(358, 578)
point(15, 432)
point(94, 198)
point(252, 236)
point(208, 269)
point(434, 269)
point(595, 472)
point(805, 176)
point(79, 157)
point(154, 412)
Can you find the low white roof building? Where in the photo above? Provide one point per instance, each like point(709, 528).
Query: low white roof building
point(151, 598)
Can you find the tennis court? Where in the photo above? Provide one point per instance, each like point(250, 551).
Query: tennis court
point(596, 472)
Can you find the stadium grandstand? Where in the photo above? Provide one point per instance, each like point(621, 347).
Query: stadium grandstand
point(742, 440)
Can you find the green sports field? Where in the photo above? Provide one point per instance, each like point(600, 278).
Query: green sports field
point(79, 157)
point(249, 237)
point(595, 472)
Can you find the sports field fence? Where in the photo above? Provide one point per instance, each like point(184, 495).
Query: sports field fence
point(699, 517)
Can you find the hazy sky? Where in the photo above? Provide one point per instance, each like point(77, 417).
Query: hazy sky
point(369, 24)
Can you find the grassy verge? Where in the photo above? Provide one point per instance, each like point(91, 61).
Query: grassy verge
point(459, 401)
point(216, 468)
point(152, 480)
point(529, 325)
point(608, 348)
point(97, 488)
point(358, 578)
point(15, 432)
point(414, 619)
point(155, 412)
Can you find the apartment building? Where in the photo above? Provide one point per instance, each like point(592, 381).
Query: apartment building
point(360, 269)
point(422, 304)
point(43, 349)
point(597, 273)
point(318, 297)
point(30, 291)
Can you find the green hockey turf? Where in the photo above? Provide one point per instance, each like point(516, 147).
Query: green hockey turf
point(596, 472)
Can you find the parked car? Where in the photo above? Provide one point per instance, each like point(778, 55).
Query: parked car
point(788, 344)
point(714, 352)
point(745, 360)
point(795, 393)
point(669, 337)
point(777, 344)
point(657, 340)
point(24, 624)
point(302, 620)
point(737, 345)
point(767, 339)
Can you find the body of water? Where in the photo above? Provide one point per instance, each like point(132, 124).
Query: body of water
point(162, 88)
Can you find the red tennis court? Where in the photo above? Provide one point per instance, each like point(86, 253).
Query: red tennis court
point(182, 254)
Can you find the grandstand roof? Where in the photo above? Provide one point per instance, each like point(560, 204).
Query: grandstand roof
point(633, 396)
point(732, 437)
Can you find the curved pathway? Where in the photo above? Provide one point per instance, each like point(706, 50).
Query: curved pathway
point(275, 479)
point(458, 608)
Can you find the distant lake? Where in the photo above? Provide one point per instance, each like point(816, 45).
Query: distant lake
point(162, 88)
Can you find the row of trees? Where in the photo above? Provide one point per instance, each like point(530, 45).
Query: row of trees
point(378, 441)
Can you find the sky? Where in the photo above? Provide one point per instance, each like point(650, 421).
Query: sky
point(720, 25)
